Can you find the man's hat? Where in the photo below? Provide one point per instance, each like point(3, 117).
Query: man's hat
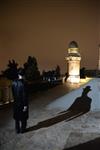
point(21, 71)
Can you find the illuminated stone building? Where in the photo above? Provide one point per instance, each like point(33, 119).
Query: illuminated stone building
point(73, 63)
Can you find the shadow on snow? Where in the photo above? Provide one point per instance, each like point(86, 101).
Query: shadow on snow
point(80, 106)
point(92, 145)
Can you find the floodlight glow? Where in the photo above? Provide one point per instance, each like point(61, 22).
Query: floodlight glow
point(73, 79)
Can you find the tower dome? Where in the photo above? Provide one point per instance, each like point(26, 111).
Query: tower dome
point(73, 44)
point(73, 49)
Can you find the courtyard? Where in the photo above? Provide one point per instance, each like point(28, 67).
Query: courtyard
point(49, 127)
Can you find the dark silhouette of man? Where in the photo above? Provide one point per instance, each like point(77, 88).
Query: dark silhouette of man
point(82, 103)
point(20, 106)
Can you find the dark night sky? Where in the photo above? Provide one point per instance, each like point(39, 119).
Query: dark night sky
point(44, 29)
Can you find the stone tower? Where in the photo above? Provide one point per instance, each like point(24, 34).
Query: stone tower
point(73, 63)
point(99, 59)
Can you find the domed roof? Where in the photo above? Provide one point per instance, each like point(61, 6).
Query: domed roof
point(73, 44)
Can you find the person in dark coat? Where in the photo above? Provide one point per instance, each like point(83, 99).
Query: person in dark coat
point(20, 106)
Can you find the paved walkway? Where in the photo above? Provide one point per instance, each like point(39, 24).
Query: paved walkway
point(44, 136)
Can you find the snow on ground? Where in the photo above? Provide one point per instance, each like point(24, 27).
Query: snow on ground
point(65, 101)
point(58, 136)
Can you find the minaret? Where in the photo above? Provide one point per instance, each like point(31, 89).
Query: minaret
point(99, 59)
point(73, 63)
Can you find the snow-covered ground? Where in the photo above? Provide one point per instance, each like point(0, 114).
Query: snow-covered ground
point(60, 135)
point(65, 101)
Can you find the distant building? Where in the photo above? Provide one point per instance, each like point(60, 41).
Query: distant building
point(73, 63)
point(99, 59)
